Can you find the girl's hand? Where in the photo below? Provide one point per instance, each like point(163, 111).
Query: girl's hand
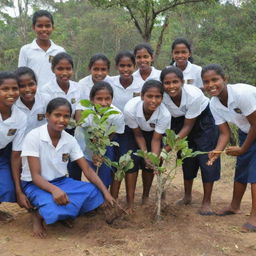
point(23, 201)
point(212, 157)
point(109, 199)
point(234, 151)
point(60, 197)
point(97, 160)
point(149, 165)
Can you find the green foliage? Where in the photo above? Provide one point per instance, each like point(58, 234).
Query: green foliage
point(124, 164)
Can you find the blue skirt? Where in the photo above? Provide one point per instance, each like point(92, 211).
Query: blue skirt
point(7, 188)
point(83, 197)
point(246, 163)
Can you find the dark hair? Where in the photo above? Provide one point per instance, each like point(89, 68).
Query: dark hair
point(184, 41)
point(152, 84)
point(25, 71)
point(41, 13)
point(169, 70)
point(214, 67)
point(56, 103)
point(60, 56)
point(123, 54)
point(97, 57)
point(144, 46)
point(102, 85)
point(7, 75)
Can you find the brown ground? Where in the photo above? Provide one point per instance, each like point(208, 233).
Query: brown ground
point(181, 232)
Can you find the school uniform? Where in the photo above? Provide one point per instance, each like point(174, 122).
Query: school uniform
point(105, 172)
point(203, 136)
point(192, 74)
point(86, 84)
point(155, 74)
point(12, 132)
point(158, 122)
point(122, 95)
point(52, 90)
point(83, 196)
point(36, 115)
point(241, 103)
point(34, 57)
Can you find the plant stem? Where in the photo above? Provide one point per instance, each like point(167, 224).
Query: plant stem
point(159, 196)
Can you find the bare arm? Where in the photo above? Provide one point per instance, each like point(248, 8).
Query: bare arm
point(156, 143)
point(22, 200)
point(140, 139)
point(187, 127)
point(60, 197)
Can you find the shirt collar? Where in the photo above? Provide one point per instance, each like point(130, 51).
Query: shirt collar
point(37, 47)
point(140, 112)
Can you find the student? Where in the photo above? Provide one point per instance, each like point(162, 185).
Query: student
point(38, 54)
point(99, 66)
point(148, 118)
point(182, 59)
point(144, 56)
point(191, 117)
point(61, 85)
point(47, 150)
point(102, 94)
point(235, 103)
point(12, 128)
point(125, 87)
point(30, 102)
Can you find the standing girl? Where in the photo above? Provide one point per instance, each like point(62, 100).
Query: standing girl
point(102, 94)
point(125, 87)
point(144, 56)
point(61, 85)
point(47, 150)
point(99, 66)
point(38, 54)
point(236, 104)
point(148, 118)
point(12, 129)
point(30, 102)
point(191, 117)
point(181, 58)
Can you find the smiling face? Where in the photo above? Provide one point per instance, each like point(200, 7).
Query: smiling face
point(214, 84)
point(63, 71)
point(9, 93)
point(103, 98)
point(143, 59)
point(125, 67)
point(172, 85)
point(27, 87)
point(58, 119)
point(43, 28)
point(180, 54)
point(152, 99)
point(99, 70)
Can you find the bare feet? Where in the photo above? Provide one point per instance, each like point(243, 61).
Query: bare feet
point(184, 201)
point(145, 200)
point(206, 210)
point(228, 211)
point(6, 217)
point(130, 210)
point(38, 225)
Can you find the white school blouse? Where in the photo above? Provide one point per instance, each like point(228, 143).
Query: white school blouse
point(34, 57)
point(53, 160)
point(116, 119)
point(192, 74)
point(134, 117)
point(86, 84)
point(193, 102)
point(35, 116)
point(52, 90)
point(155, 74)
point(123, 95)
point(13, 129)
point(241, 103)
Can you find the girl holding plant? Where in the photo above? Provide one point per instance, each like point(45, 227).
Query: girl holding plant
point(192, 117)
point(147, 116)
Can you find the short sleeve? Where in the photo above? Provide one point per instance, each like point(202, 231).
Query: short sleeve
point(118, 121)
point(22, 58)
point(76, 152)
point(247, 103)
point(30, 145)
point(194, 109)
point(18, 140)
point(130, 120)
point(217, 117)
point(163, 123)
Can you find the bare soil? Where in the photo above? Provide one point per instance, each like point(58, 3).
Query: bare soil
point(181, 232)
